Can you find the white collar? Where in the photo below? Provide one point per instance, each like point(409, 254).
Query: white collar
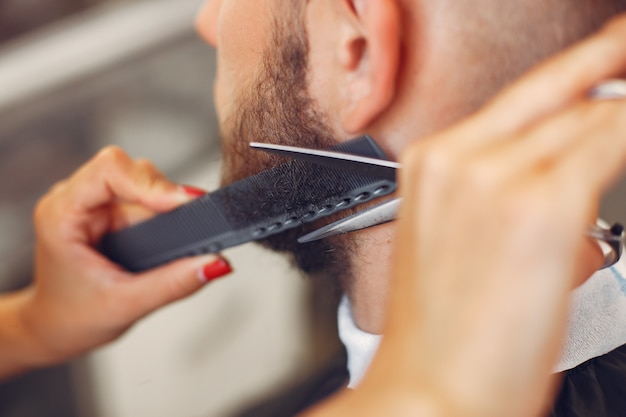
point(360, 346)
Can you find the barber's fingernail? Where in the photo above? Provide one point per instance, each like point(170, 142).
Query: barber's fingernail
point(216, 269)
point(193, 191)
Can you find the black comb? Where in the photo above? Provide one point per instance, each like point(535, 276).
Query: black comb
point(224, 218)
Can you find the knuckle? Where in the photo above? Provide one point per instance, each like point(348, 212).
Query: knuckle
point(111, 154)
point(438, 162)
point(146, 166)
point(481, 176)
point(177, 288)
point(150, 176)
point(529, 209)
point(45, 209)
point(109, 161)
point(41, 212)
point(468, 174)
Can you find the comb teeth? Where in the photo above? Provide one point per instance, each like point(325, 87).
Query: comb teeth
point(254, 208)
point(279, 191)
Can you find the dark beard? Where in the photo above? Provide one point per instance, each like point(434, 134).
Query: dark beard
point(277, 108)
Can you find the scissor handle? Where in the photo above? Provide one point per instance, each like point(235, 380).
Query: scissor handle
point(613, 238)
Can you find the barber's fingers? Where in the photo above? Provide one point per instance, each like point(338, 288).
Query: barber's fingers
point(554, 154)
point(599, 157)
point(113, 176)
point(584, 146)
point(592, 149)
point(148, 291)
point(95, 198)
point(589, 123)
point(576, 155)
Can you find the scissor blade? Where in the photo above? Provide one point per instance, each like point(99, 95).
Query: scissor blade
point(373, 216)
point(330, 158)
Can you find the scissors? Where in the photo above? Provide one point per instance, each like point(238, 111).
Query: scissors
point(610, 239)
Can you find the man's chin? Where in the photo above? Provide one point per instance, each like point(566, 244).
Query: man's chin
point(324, 257)
point(328, 260)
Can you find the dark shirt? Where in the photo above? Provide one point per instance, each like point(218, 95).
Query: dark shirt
point(596, 388)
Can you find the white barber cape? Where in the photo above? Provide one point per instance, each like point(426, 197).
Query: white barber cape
point(597, 324)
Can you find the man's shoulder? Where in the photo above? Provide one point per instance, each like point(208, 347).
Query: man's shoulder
point(595, 388)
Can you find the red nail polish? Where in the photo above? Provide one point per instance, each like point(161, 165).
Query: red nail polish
point(193, 191)
point(215, 270)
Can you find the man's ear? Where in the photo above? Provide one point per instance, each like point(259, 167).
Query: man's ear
point(369, 59)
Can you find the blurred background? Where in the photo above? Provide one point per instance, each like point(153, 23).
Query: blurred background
point(75, 76)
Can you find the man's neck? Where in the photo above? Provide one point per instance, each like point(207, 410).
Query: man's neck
point(369, 287)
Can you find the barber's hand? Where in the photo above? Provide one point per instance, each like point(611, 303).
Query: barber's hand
point(491, 238)
point(80, 299)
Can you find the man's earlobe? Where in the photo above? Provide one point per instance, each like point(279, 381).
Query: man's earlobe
point(369, 55)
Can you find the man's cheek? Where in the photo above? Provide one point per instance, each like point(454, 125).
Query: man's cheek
point(220, 98)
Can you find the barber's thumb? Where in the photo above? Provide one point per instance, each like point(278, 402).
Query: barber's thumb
point(159, 287)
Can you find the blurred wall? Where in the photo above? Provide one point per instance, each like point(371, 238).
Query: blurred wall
point(18, 17)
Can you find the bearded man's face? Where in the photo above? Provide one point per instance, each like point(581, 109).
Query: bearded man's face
point(263, 97)
point(263, 77)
